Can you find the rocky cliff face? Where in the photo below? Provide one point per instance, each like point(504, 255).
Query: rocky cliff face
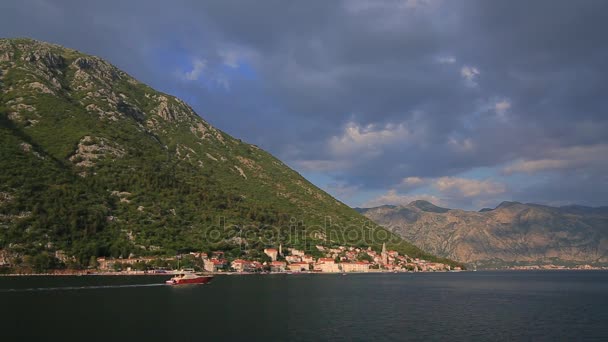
point(511, 233)
point(96, 163)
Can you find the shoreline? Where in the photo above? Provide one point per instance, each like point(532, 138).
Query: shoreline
point(117, 274)
point(141, 274)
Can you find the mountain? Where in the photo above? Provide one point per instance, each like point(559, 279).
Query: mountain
point(512, 233)
point(95, 163)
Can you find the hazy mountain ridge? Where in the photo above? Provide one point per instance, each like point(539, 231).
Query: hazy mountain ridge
point(511, 233)
point(96, 163)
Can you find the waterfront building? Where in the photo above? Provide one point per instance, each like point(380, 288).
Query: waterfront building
point(327, 265)
point(277, 266)
point(214, 265)
point(298, 266)
point(358, 266)
point(240, 265)
point(293, 258)
point(308, 258)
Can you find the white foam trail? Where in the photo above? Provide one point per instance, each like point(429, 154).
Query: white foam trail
point(66, 288)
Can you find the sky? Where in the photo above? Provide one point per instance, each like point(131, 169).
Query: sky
point(465, 103)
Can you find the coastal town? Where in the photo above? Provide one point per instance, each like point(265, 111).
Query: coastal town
point(341, 259)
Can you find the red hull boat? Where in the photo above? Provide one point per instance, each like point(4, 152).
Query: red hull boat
point(189, 278)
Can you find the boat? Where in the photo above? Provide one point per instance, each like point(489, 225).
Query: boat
point(183, 278)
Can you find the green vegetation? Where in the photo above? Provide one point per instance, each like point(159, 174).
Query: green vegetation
point(98, 164)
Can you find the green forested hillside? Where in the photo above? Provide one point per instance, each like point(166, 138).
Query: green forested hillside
point(95, 163)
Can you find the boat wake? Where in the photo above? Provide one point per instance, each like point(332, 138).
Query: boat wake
point(72, 288)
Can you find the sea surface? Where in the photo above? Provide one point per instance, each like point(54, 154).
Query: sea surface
point(466, 306)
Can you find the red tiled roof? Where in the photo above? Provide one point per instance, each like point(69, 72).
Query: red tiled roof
point(277, 263)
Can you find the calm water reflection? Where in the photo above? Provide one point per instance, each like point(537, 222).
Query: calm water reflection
point(555, 305)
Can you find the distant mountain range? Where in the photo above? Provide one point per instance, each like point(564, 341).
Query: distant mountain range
point(513, 233)
point(95, 163)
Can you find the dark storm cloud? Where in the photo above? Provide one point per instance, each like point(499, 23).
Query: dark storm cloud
point(424, 88)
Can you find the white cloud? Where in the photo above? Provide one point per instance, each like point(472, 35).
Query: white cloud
point(212, 77)
point(356, 145)
point(468, 187)
point(461, 145)
point(569, 158)
point(370, 139)
point(445, 191)
point(229, 58)
point(446, 60)
point(390, 5)
point(394, 198)
point(533, 166)
point(469, 73)
point(198, 66)
point(413, 181)
point(417, 3)
point(501, 107)
point(455, 186)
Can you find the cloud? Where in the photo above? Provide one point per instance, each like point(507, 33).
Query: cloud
point(229, 58)
point(389, 5)
point(198, 66)
point(469, 73)
point(461, 145)
point(502, 106)
point(533, 166)
point(369, 139)
point(453, 192)
point(408, 184)
point(371, 92)
point(393, 197)
point(446, 60)
point(413, 181)
point(468, 187)
point(210, 76)
point(572, 159)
